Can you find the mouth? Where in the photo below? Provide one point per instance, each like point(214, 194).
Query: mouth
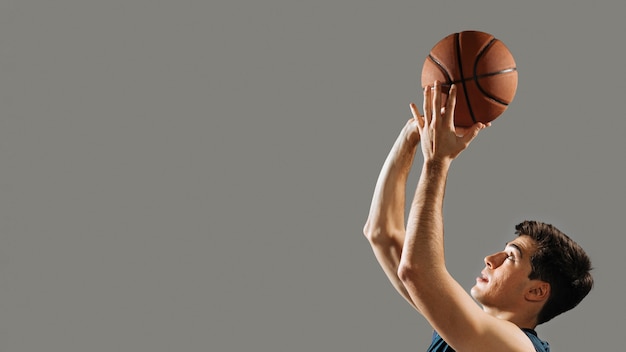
point(482, 278)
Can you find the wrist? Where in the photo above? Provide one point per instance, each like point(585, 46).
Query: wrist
point(410, 135)
point(437, 165)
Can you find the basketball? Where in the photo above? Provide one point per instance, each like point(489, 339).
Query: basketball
point(483, 70)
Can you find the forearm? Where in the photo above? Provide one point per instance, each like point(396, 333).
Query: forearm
point(386, 214)
point(423, 248)
point(384, 227)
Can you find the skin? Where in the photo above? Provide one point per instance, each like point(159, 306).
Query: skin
point(412, 257)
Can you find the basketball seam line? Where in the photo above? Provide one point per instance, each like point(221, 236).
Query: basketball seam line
point(478, 57)
point(484, 75)
point(450, 82)
point(441, 67)
point(457, 38)
point(488, 96)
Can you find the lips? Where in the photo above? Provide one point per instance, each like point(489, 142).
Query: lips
point(482, 278)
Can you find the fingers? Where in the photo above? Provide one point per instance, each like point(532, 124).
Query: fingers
point(450, 106)
point(433, 111)
point(428, 106)
point(416, 115)
point(437, 102)
point(444, 139)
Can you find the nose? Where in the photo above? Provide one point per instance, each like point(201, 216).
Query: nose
point(495, 260)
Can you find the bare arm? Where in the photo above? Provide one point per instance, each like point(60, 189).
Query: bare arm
point(385, 227)
point(422, 270)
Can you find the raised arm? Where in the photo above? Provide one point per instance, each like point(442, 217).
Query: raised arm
point(422, 270)
point(423, 246)
point(385, 227)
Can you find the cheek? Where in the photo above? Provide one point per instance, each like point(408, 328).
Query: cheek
point(505, 282)
point(514, 282)
point(500, 288)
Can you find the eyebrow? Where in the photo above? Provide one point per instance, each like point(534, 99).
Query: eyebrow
point(516, 247)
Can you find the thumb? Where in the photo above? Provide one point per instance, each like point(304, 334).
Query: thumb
point(472, 133)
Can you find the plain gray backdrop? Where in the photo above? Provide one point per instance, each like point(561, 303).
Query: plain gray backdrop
point(195, 175)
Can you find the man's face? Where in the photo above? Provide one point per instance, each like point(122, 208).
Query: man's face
point(504, 280)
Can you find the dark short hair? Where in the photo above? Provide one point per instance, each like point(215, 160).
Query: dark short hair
point(562, 263)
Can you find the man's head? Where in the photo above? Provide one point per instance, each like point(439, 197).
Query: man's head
point(540, 274)
point(562, 263)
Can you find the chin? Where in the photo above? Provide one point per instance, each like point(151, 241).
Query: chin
point(475, 293)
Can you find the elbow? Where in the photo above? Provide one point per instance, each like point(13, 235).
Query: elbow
point(371, 232)
point(406, 272)
point(420, 276)
point(366, 229)
point(377, 235)
point(413, 275)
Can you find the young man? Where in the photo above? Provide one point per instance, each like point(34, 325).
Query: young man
point(539, 274)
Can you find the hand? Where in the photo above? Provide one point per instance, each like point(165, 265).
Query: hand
point(441, 141)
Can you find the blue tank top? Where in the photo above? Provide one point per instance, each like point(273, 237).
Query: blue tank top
point(439, 345)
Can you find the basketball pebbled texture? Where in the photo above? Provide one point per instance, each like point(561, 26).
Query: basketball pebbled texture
point(482, 68)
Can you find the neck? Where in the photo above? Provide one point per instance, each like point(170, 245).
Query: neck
point(523, 320)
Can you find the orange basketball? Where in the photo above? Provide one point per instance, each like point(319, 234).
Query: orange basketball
point(483, 70)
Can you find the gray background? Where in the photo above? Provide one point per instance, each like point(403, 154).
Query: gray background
point(194, 176)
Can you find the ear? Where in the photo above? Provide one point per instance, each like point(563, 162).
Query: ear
point(539, 291)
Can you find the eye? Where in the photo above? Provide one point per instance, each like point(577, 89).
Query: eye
point(510, 256)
